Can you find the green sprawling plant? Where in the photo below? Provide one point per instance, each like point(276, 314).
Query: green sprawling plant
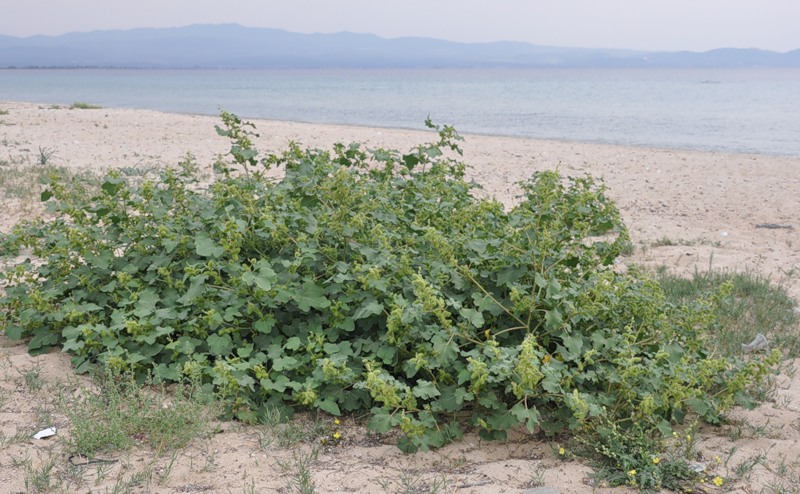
point(370, 280)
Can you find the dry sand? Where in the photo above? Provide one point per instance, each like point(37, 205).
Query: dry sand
point(704, 205)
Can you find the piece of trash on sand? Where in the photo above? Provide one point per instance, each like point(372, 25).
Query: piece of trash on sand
point(758, 344)
point(44, 433)
point(697, 467)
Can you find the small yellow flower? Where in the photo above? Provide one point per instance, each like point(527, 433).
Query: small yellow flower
point(337, 435)
point(562, 451)
point(689, 437)
point(336, 421)
point(716, 458)
point(632, 473)
point(656, 460)
point(718, 481)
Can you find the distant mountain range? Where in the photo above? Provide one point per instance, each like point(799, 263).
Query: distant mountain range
point(235, 46)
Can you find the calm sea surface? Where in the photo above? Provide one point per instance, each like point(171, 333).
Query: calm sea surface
point(739, 110)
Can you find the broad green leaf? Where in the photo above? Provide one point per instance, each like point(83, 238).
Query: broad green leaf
point(245, 351)
point(462, 395)
point(382, 420)
point(293, 343)
point(136, 357)
point(371, 308)
point(284, 363)
point(551, 383)
point(328, 405)
point(410, 161)
point(196, 287)
point(277, 382)
point(552, 319)
point(477, 245)
point(554, 289)
point(185, 345)
point(101, 261)
point(447, 400)
point(330, 348)
point(109, 287)
point(502, 419)
point(528, 416)
point(157, 332)
point(264, 277)
point(168, 313)
point(474, 317)
point(699, 406)
point(264, 325)
point(446, 350)
point(146, 305)
point(112, 185)
point(169, 244)
point(220, 345)
point(14, 332)
point(387, 354)
point(42, 341)
point(425, 390)
point(507, 276)
point(206, 247)
point(245, 381)
point(311, 295)
point(346, 324)
point(574, 344)
point(166, 372)
point(72, 345)
point(485, 303)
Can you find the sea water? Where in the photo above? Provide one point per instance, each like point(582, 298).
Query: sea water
point(735, 110)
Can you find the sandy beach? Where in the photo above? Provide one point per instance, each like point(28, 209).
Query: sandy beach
point(686, 210)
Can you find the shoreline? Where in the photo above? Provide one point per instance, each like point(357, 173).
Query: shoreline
point(685, 209)
point(719, 138)
point(46, 106)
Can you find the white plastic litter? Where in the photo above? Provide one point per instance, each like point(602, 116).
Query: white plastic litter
point(50, 431)
point(697, 467)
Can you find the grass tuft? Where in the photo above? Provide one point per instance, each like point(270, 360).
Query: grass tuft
point(45, 155)
point(80, 105)
point(122, 413)
point(754, 306)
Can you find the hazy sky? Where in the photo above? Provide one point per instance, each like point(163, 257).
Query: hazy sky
point(637, 24)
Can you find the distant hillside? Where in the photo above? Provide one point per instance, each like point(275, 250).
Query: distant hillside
point(234, 46)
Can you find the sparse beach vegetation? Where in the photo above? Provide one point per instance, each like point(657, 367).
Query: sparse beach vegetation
point(45, 155)
point(81, 105)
